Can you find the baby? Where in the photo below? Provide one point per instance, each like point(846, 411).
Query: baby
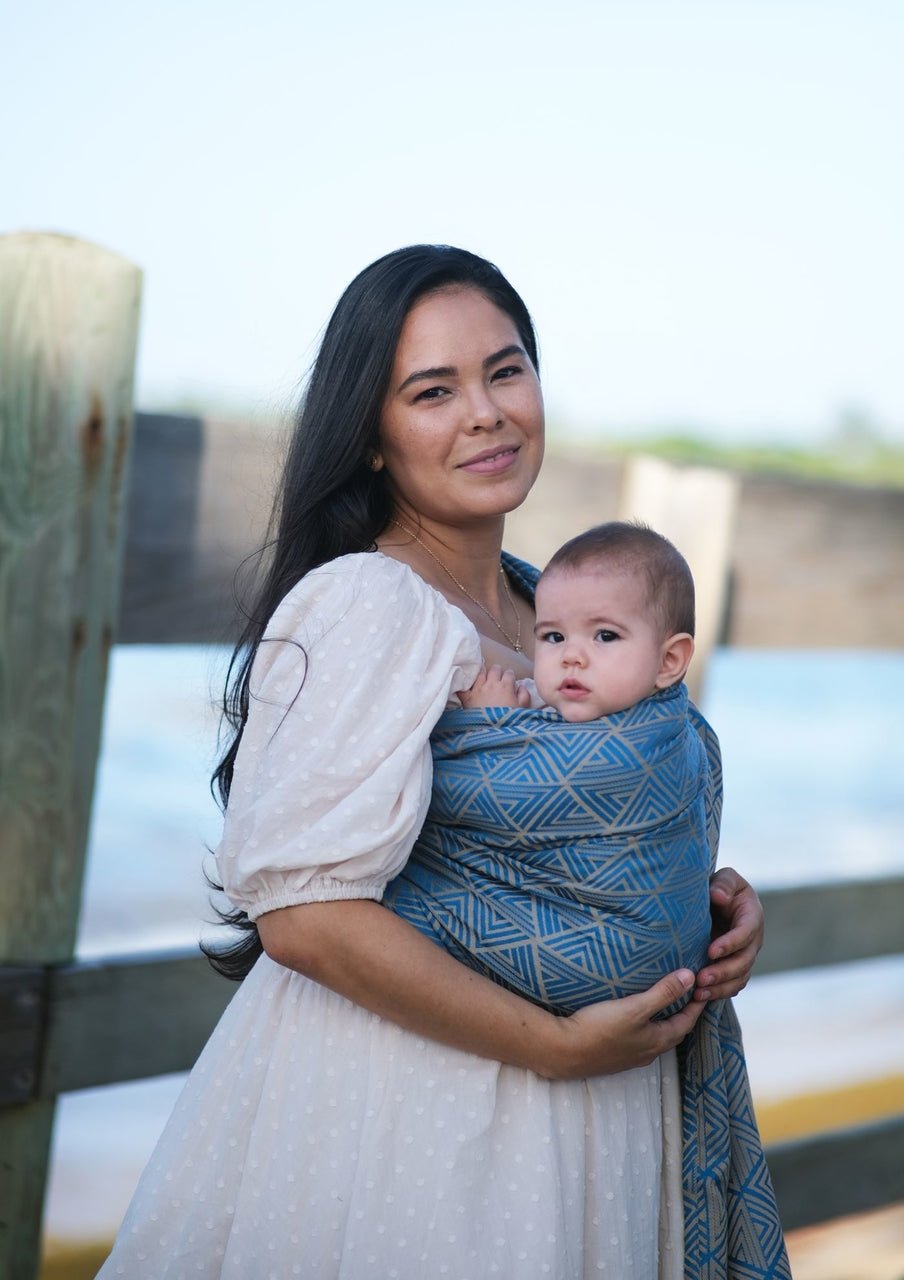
point(572, 832)
point(615, 623)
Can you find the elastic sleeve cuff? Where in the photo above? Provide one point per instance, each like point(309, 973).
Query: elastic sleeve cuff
point(319, 889)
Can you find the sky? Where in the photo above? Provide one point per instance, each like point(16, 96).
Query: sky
point(701, 201)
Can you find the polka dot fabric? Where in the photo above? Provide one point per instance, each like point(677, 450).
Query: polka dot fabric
point(332, 779)
point(316, 1139)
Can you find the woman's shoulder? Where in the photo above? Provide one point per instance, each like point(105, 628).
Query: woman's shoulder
point(365, 575)
point(360, 615)
point(360, 572)
point(370, 582)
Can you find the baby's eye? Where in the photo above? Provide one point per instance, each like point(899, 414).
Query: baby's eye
point(606, 636)
point(551, 637)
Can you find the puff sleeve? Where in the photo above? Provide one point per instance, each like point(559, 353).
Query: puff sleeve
point(333, 774)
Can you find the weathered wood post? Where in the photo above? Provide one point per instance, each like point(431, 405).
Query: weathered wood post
point(68, 331)
point(694, 507)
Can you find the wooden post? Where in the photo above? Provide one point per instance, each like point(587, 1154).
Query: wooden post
point(694, 507)
point(68, 331)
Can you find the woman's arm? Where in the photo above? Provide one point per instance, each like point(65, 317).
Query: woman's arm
point(738, 926)
point(365, 953)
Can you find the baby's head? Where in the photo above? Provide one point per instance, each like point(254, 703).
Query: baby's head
point(615, 620)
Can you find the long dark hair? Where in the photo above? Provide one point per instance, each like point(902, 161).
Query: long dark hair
point(329, 501)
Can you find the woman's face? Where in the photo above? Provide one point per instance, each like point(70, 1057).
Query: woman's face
point(461, 434)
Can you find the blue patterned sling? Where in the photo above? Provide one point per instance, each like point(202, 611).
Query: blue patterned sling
point(570, 863)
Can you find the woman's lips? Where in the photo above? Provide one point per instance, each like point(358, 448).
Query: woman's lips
point(491, 461)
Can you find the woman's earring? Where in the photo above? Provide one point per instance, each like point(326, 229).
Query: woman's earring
point(375, 462)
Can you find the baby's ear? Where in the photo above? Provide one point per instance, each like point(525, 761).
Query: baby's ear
point(677, 652)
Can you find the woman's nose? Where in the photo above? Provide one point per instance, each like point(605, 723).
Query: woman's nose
point(482, 410)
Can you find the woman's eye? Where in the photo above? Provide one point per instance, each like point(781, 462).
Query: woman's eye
point(606, 636)
point(509, 371)
point(431, 393)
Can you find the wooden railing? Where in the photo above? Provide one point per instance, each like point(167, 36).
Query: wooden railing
point(68, 317)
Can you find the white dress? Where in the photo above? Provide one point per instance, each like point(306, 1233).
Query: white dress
point(316, 1139)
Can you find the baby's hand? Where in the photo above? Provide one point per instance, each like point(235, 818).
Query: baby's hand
point(495, 688)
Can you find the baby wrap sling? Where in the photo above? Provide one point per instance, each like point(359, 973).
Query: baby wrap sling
point(570, 862)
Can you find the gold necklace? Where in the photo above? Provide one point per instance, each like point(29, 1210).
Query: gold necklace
point(514, 641)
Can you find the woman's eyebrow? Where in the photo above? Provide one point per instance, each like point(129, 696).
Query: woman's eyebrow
point(450, 371)
point(512, 350)
point(422, 375)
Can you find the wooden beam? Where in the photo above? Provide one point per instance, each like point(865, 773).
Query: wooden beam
point(820, 924)
point(160, 570)
point(831, 1175)
point(114, 1020)
point(68, 330)
point(201, 498)
point(130, 1017)
point(23, 1003)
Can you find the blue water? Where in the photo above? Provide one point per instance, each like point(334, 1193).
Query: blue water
point(813, 749)
point(813, 752)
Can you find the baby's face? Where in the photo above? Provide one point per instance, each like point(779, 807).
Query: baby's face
point(598, 647)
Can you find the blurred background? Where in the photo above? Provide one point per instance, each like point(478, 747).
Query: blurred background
point(701, 203)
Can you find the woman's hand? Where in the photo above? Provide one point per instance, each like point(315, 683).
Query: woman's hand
point(738, 925)
point(377, 960)
point(619, 1035)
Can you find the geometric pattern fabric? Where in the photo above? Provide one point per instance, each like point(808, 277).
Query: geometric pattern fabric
point(569, 862)
point(732, 1229)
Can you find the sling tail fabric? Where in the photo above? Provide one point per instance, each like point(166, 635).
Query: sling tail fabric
point(732, 1229)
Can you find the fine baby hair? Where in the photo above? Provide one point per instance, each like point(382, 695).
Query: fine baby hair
point(632, 546)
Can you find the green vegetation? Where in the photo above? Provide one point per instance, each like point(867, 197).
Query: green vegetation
point(851, 459)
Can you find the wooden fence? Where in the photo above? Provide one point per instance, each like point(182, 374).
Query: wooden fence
point(68, 323)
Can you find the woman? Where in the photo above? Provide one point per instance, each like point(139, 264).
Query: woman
point(367, 1105)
